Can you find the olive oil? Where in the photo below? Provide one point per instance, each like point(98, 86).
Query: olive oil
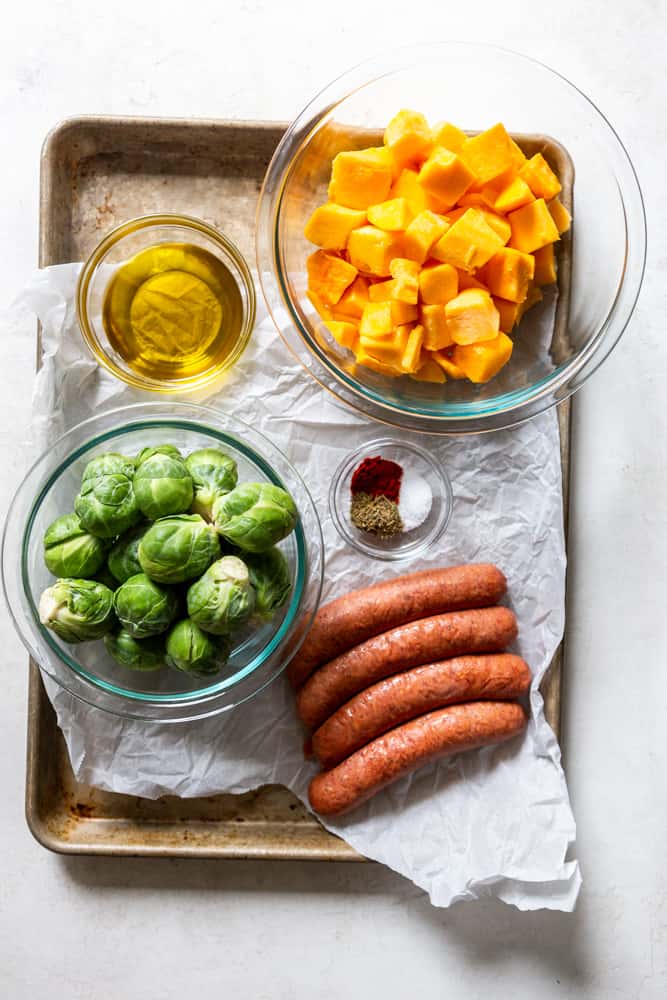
point(173, 312)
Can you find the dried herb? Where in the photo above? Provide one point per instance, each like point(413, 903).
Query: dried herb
point(376, 515)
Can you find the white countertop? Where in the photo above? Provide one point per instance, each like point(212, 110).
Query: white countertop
point(86, 928)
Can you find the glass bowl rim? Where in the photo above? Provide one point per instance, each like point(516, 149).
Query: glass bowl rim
point(138, 224)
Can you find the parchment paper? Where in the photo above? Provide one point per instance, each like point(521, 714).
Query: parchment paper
point(495, 822)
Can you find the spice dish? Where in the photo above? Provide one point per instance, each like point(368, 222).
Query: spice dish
point(390, 499)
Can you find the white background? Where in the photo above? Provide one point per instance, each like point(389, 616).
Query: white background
point(84, 929)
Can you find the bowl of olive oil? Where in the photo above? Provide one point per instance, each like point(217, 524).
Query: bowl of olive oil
point(166, 303)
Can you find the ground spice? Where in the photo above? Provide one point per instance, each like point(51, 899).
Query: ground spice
point(378, 477)
point(375, 514)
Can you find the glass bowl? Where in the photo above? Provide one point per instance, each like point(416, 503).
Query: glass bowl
point(123, 243)
point(410, 543)
point(608, 237)
point(85, 670)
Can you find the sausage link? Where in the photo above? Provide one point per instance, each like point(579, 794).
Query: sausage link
point(358, 616)
point(397, 753)
point(482, 630)
point(406, 696)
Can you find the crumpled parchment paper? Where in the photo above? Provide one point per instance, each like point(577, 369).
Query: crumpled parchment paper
point(495, 822)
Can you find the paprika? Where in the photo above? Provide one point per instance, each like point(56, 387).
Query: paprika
point(378, 477)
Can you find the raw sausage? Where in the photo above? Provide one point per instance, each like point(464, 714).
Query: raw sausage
point(389, 757)
point(397, 699)
point(358, 616)
point(483, 630)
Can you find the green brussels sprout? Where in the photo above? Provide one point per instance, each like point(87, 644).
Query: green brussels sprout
point(163, 486)
point(270, 579)
point(178, 548)
point(123, 559)
point(194, 651)
point(106, 577)
point(222, 598)
point(213, 473)
point(106, 504)
point(136, 654)
point(70, 550)
point(77, 610)
point(254, 516)
point(143, 607)
point(160, 449)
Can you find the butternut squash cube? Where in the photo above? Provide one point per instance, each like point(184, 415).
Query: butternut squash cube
point(489, 154)
point(412, 355)
point(329, 276)
point(545, 265)
point(471, 317)
point(445, 176)
point(408, 136)
point(365, 358)
point(321, 307)
point(404, 266)
point(450, 369)
point(468, 243)
point(509, 197)
point(376, 320)
point(380, 291)
point(422, 233)
point(371, 250)
point(534, 296)
point(499, 224)
point(509, 273)
point(407, 186)
point(560, 215)
point(361, 177)
point(480, 362)
point(532, 227)
point(508, 312)
point(429, 371)
point(436, 329)
point(346, 334)
point(354, 298)
point(392, 215)
point(330, 225)
point(438, 283)
point(403, 312)
point(540, 178)
point(448, 135)
point(406, 289)
point(470, 281)
point(390, 349)
point(474, 199)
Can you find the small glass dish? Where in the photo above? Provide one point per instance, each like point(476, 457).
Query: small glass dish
point(407, 544)
point(122, 244)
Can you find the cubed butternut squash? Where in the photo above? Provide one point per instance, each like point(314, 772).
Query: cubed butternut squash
point(534, 296)
point(376, 320)
point(390, 349)
point(407, 186)
point(560, 215)
point(448, 135)
point(509, 273)
point(412, 355)
point(403, 312)
point(508, 197)
point(329, 276)
point(481, 361)
point(344, 333)
point(508, 313)
point(436, 331)
point(429, 371)
point(445, 176)
point(406, 289)
point(445, 361)
point(545, 265)
point(361, 177)
point(408, 136)
point(470, 280)
point(404, 266)
point(330, 225)
point(380, 291)
point(540, 178)
point(489, 154)
point(422, 233)
point(368, 360)
point(438, 283)
point(392, 215)
point(354, 298)
point(371, 250)
point(324, 310)
point(471, 317)
point(468, 243)
point(532, 227)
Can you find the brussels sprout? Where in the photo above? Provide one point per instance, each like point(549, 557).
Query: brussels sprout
point(77, 610)
point(213, 473)
point(222, 598)
point(178, 548)
point(143, 607)
point(160, 449)
point(270, 579)
point(106, 577)
point(106, 504)
point(163, 486)
point(71, 551)
point(137, 654)
point(123, 560)
point(194, 651)
point(255, 516)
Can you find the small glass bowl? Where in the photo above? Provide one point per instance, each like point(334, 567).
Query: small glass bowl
point(123, 243)
point(86, 670)
point(407, 544)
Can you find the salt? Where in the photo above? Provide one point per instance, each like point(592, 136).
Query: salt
point(415, 500)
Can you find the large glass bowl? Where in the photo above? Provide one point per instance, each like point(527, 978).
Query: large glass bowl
point(85, 669)
point(474, 86)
